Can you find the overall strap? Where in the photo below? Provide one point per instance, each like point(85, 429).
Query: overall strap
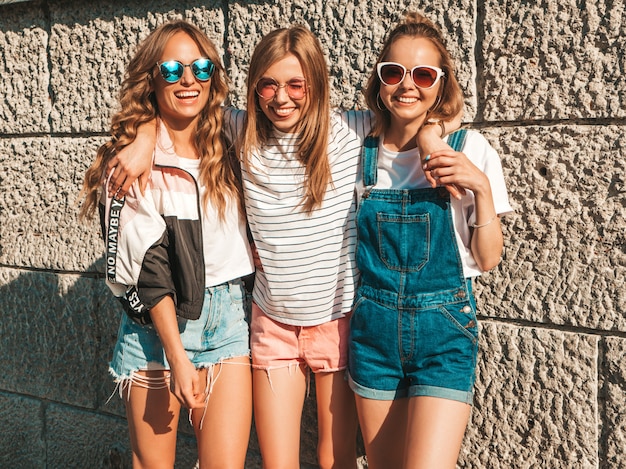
point(369, 162)
point(457, 139)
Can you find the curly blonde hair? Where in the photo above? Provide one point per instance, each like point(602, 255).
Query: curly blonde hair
point(218, 168)
point(315, 124)
point(416, 25)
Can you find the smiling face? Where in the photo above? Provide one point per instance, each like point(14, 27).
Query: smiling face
point(407, 103)
point(284, 112)
point(180, 103)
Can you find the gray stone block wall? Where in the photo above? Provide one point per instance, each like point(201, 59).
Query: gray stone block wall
point(545, 82)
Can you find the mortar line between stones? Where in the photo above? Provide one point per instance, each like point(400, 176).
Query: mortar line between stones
point(554, 327)
point(590, 122)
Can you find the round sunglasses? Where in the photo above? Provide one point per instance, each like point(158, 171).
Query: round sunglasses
point(424, 76)
point(172, 70)
point(267, 88)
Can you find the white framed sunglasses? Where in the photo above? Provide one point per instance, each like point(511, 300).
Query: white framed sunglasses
point(424, 76)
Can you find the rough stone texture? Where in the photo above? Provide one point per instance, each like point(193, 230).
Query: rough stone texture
point(613, 403)
point(535, 400)
point(552, 60)
point(551, 383)
point(59, 337)
point(90, 45)
point(565, 258)
point(24, 94)
point(23, 439)
point(40, 227)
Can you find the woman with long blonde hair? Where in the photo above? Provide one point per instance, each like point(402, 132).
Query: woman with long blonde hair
point(175, 257)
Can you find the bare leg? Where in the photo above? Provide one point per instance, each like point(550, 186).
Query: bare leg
point(383, 426)
point(223, 438)
point(278, 400)
point(435, 432)
point(152, 416)
point(337, 422)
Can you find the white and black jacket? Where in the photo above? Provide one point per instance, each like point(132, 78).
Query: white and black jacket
point(154, 243)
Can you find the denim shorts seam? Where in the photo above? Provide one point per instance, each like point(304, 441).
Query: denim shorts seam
point(465, 397)
point(376, 394)
point(220, 360)
point(283, 364)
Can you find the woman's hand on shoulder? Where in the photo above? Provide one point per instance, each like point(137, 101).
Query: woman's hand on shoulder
point(132, 162)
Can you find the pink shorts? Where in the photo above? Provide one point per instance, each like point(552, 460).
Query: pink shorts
point(323, 348)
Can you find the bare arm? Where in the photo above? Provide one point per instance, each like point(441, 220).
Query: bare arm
point(185, 380)
point(487, 240)
point(133, 161)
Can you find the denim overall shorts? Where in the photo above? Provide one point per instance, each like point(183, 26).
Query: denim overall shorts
point(413, 328)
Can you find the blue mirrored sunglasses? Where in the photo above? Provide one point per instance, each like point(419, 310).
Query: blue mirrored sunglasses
point(172, 70)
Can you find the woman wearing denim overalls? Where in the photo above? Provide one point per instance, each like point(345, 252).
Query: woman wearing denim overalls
point(426, 226)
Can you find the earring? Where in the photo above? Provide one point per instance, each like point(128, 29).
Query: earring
point(379, 101)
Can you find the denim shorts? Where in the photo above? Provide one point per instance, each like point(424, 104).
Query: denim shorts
point(220, 333)
point(430, 351)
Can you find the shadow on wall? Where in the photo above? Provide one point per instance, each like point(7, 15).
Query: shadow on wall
point(57, 336)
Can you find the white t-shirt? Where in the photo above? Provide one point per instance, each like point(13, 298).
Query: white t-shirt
point(309, 270)
point(227, 254)
point(403, 170)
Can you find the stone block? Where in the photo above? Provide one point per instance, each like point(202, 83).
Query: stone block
point(551, 60)
point(22, 438)
point(535, 400)
point(41, 180)
point(25, 102)
point(612, 403)
point(58, 342)
point(91, 45)
point(565, 256)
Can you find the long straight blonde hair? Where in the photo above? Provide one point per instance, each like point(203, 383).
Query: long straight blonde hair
point(218, 170)
point(314, 126)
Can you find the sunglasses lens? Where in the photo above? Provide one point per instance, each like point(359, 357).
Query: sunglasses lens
point(391, 74)
point(171, 71)
point(296, 89)
point(203, 69)
point(266, 88)
point(424, 77)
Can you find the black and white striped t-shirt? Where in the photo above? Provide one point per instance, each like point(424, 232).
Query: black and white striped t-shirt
point(309, 270)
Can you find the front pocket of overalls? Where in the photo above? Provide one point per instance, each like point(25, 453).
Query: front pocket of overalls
point(463, 317)
point(403, 241)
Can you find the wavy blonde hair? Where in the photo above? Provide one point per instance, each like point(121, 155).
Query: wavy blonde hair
point(218, 169)
point(416, 25)
point(315, 123)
